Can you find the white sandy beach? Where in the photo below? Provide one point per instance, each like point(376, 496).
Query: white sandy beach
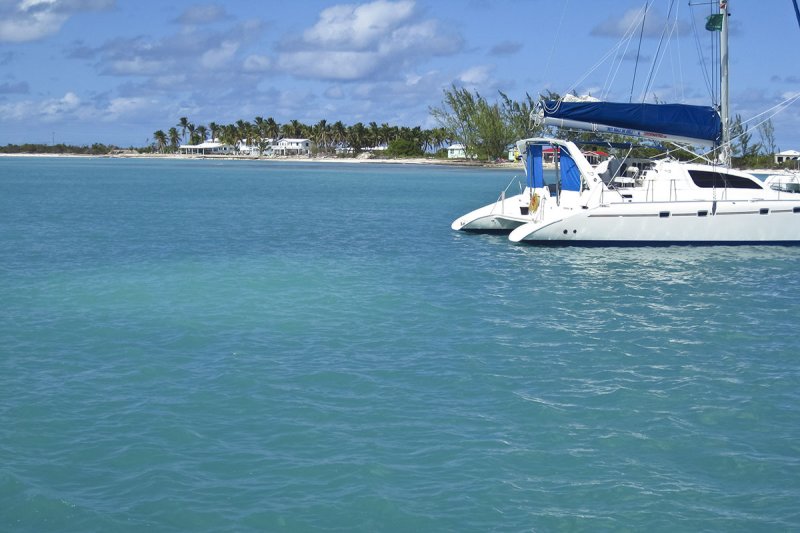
point(351, 160)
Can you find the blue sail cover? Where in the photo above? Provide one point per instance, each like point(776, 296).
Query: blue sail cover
point(690, 121)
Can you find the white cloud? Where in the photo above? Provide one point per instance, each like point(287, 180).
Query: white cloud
point(412, 79)
point(55, 108)
point(631, 21)
point(30, 20)
point(358, 26)
point(14, 111)
point(476, 75)
point(334, 92)
point(257, 63)
point(411, 36)
point(357, 41)
point(332, 65)
point(218, 57)
point(126, 106)
point(188, 59)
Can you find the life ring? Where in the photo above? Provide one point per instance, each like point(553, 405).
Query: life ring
point(534, 205)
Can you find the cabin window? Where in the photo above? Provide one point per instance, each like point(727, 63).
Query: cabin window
point(763, 211)
point(709, 180)
point(796, 210)
point(703, 213)
point(663, 214)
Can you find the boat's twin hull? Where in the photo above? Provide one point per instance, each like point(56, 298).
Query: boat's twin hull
point(499, 217)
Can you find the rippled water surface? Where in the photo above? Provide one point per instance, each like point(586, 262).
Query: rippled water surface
point(231, 346)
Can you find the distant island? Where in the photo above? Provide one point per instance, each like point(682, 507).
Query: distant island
point(482, 131)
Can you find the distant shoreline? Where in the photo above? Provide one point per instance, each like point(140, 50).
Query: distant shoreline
point(354, 160)
point(461, 163)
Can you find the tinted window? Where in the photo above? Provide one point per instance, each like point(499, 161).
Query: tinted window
point(708, 180)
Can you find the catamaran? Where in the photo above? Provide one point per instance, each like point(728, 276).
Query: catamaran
point(670, 202)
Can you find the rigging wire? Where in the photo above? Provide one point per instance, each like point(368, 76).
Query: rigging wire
point(626, 39)
point(777, 108)
point(658, 57)
point(595, 67)
point(638, 51)
point(610, 53)
point(553, 47)
point(703, 67)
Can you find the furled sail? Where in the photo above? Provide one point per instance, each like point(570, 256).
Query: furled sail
point(700, 125)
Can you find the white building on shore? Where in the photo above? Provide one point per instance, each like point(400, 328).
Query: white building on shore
point(206, 148)
point(258, 148)
point(264, 147)
point(292, 147)
point(456, 151)
point(787, 155)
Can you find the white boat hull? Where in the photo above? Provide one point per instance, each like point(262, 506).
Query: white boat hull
point(670, 203)
point(660, 223)
point(501, 216)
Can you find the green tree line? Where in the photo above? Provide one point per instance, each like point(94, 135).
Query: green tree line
point(328, 138)
point(34, 148)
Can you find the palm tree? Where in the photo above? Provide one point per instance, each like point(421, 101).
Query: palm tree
point(319, 134)
point(338, 133)
point(374, 135)
point(439, 138)
point(230, 136)
point(261, 126)
point(201, 133)
point(273, 129)
point(213, 127)
point(297, 129)
point(427, 140)
point(161, 140)
point(190, 128)
point(174, 138)
point(183, 123)
point(356, 136)
point(386, 133)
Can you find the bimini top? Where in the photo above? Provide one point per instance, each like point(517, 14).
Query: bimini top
point(679, 122)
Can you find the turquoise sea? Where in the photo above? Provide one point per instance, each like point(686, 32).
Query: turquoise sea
point(263, 346)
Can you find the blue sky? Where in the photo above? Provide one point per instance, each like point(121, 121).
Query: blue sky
point(114, 71)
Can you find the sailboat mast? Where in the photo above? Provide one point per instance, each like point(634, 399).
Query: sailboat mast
point(724, 111)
